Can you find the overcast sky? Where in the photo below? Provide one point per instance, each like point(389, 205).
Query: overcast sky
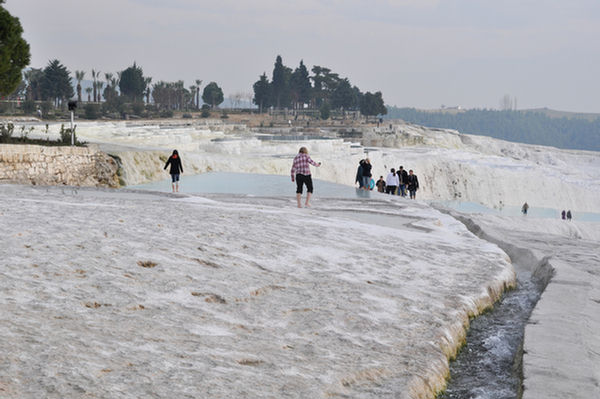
point(418, 53)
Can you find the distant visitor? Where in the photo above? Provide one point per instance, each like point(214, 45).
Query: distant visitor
point(176, 169)
point(412, 184)
point(301, 174)
point(402, 180)
point(524, 208)
point(569, 215)
point(381, 185)
point(366, 174)
point(392, 181)
point(359, 173)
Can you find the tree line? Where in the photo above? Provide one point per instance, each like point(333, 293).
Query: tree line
point(114, 92)
point(528, 127)
point(130, 91)
point(323, 90)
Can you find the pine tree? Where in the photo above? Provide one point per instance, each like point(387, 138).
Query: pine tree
point(14, 52)
point(262, 93)
point(56, 83)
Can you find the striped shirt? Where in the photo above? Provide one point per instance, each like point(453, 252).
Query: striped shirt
point(301, 164)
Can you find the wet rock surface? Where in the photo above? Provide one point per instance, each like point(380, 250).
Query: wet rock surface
point(127, 294)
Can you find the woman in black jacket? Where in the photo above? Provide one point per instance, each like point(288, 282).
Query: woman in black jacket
point(413, 184)
point(176, 169)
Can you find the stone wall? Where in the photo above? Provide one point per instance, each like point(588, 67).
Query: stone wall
point(73, 166)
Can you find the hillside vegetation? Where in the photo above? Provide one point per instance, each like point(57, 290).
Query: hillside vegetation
point(531, 127)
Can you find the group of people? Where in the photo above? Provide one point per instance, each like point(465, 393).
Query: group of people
point(566, 215)
point(398, 182)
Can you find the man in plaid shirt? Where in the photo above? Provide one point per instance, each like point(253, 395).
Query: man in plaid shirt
point(301, 174)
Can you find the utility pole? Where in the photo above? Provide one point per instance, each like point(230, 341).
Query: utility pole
point(72, 107)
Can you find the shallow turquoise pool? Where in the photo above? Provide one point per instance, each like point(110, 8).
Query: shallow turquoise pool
point(254, 184)
point(277, 186)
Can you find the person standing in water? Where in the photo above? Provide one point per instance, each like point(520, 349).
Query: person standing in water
point(366, 174)
point(381, 185)
point(176, 169)
point(403, 180)
point(359, 178)
point(392, 182)
point(301, 175)
point(412, 183)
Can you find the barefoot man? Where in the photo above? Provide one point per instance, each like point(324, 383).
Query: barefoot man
point(301, 174)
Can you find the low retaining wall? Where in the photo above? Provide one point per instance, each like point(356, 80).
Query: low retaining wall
point(40, 165)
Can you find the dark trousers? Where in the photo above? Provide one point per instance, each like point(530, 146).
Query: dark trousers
point(301, 180)
point(390, 189)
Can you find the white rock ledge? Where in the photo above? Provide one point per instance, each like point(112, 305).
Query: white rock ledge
point(127, 294)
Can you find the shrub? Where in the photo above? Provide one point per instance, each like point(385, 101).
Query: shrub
point(166, 113)
point(325, 111)
point(187, 116)
point(28, 106)
point(137, 108)
point(205, 111)
point(46, 107)
point(6, 131)
point(91, 111)
point(65, 134)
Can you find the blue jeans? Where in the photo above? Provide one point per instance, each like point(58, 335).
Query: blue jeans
point(402, 190)
point(367, 182)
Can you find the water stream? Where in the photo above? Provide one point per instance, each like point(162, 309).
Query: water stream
point(489, 365)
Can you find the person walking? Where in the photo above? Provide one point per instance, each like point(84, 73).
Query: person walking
point(525, 208)
point(391, 182)
point(301, 175)
point(563, 214)
point(359, 178)
point(176, 169)
point(569, 215)
point(381, 185)
point(403, 179)
point(366, 174)
point(412, 182)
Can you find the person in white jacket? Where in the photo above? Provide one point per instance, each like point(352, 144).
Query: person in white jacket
point(391, 182)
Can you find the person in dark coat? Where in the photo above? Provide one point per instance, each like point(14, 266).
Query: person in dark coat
point(381, 186)
point(359, 178)
point(412, 183)
point(176, 169)
point(403, 177)
point(366, 174)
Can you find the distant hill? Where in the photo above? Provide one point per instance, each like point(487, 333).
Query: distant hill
point(560, 129)
point(552, 113)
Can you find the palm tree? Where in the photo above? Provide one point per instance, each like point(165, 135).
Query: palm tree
point(79, 75)
point(109, 77)
point(198, 83)
point(88, 90)
point(95, 84)
point(100, 86)
point(193, 95)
